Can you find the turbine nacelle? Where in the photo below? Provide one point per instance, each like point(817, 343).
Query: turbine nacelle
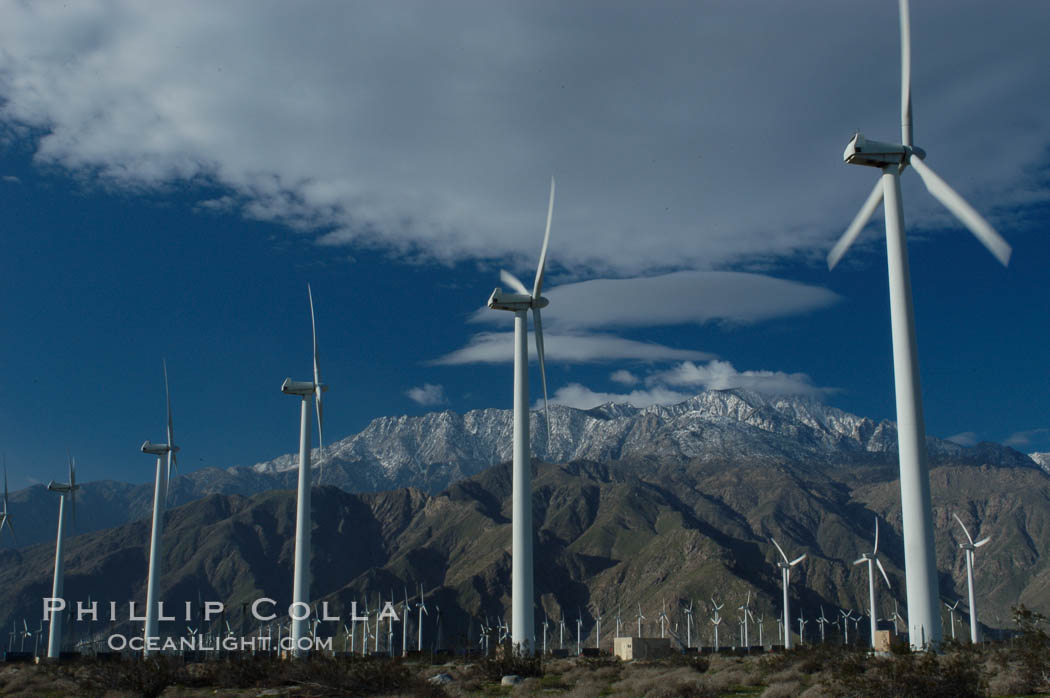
point(61, 487)
point(301, 388)
point(515, 302)
point(862, 151)
point(158, 449)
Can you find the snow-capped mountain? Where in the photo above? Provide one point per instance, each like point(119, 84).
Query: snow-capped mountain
point(435, 449)
point(432, 451)
point(1043, 459)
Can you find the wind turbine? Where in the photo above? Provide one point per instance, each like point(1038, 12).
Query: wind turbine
point(546, 625)
point(5, 518)
point(597, 627)
point(640, 619)
point(663, 619)
point(873, 561)
point(160, 496)
point(523, 633)
point(916, 509)
point(422, 610)
point(688, 625)
point(405, 608)
point(785, 577)
point(745, 611)
point(54, 638)
point(579, 627)
point(951, 614)
point(305, 390)
point(716, 620)
point(821, 622)
point(801, 625)
point(846, 616)
point(969, 547)
point(619, 621)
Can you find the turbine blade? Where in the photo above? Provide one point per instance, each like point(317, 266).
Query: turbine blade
point(317, 389)
point(968, 536)
point(537, 287)
point(878, 563)
point(797, 560)
point(876, 550)
point(857, 562)
point(951, 200)
point(859, 221)
point(781, 550)
point(73, 488)
point(543, 372)
point(514, 282)
point(906, 133)
point(981, 542)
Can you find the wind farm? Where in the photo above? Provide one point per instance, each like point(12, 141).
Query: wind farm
point(718, 384)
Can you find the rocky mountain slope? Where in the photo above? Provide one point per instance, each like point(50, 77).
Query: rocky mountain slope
point(434, 450)
point(608, 537)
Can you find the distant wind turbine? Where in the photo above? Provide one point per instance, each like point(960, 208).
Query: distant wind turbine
point(54, 639)
point(160, 496)
point(785, 578)
point(301, 574)
point(5, 517)
point(951, 614)
point(970, 547)
point(523, 633)
point(916, 508)
point(873, 561)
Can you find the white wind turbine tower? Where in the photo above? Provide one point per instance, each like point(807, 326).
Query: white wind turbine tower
point(745, 611)
point(716, 620)
point(5, 517)
point(54, 638)
point(640, 619)
point(523, 632)
point(160, 497)
point(951, 614)
point(689, 625)
point(846, 616)
point(969, 547)
point(916, 509)
point(873, 561)
point(821, 622)
point(785, 578)
point(597, 627)
point(305, 390)
point(422, 610)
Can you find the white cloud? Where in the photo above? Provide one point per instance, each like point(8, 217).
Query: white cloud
point(721, 375)
point(11, 179)
point(966, 438)
point(1021, 439)
point(428, 394)
point(583, 398)
point(666, 387)
point(623, 376)
point(673, 299)
point(498, 347)
point(432, 128)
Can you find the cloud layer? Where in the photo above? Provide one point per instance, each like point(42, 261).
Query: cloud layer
point(683, 136)
point(685, 297)
point(674, 385)
point(498, 347)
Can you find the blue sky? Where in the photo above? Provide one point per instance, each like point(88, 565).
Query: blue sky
point(172, 178)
